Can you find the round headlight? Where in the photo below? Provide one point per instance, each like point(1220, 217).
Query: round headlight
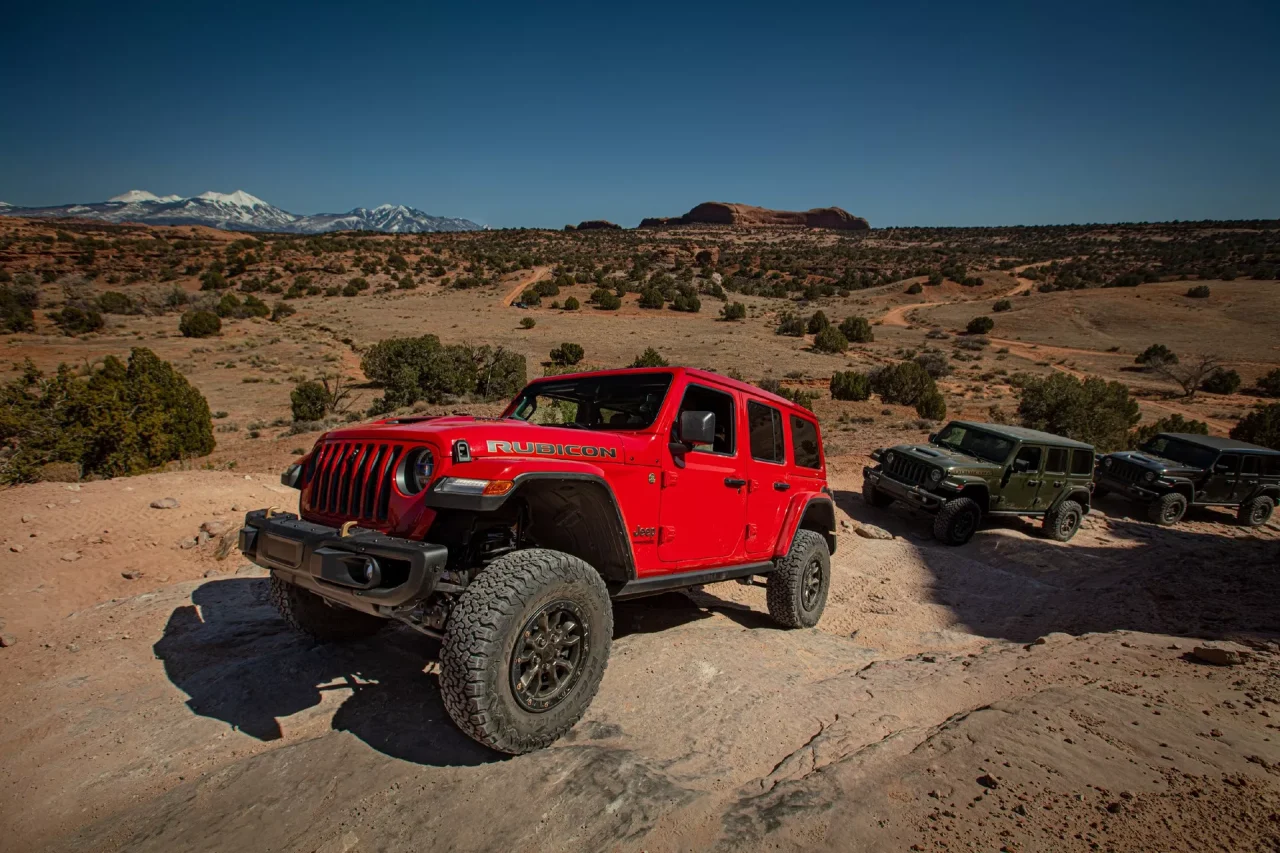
point(935, 475)
point(888, 457)
point(1149, 476)
point(1106, 463)
point(414, 473)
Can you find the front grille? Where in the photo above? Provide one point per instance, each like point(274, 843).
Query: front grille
point(352, 479)
point(907, 471)
point(1126, 471)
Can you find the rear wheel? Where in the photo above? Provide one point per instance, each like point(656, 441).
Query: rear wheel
point(525, 649)
point(1167, 509)
point(797, 588)
point(1062, 522)
point(874, 496)
point(1255, 512)
point(957, 521)
point(310, 614)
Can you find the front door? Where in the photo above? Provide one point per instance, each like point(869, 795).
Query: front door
point(1221, 482)
point(1023, 479)
point(704, 490)
point(769, 486)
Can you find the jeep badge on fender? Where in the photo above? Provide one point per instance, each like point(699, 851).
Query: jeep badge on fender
point(591, 487)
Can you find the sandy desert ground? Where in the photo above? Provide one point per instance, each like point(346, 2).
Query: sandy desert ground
point(1015, 694)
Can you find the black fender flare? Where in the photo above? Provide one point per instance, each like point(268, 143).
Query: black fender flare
point(818, 515)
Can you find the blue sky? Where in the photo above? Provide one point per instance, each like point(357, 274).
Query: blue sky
point(542, 114)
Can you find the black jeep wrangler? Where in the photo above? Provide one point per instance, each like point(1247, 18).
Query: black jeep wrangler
point(1174, 471)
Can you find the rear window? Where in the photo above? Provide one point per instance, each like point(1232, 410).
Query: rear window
point(765, 425)
point(1271, 466)
point(804, 443)
point(1081, 462)
point(1055, 461)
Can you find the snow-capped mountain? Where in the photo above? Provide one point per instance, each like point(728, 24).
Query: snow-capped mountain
point(240, 211)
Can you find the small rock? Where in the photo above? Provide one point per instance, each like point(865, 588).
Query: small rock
point(237, 508)
point(74, 487)
point(74, 501)
point(27, 519)
point(986, 780)
point(7, 640)
point(251, 569)
point(212, 573)
point(50, 506)
point(215, 526)
point(189, 542)
point(1215, 732)
point(1115, 808)
point(870, 531)
point(17, 549)
point(1217, 656)
point(1020, 809)
point(71, 556)
point(165, 503)
point(202, 538)
point(72, 647)
point(131, 574)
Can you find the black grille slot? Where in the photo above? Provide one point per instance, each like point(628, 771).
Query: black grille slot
point(353, 479)
point(1124, 470)
point(906, 470)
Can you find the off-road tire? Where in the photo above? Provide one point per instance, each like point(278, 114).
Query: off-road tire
point(957, 521)
point(1256, 511)
point(482, 636)
point(797, 588)
point(310, 614)
point(1167, 509)
point(1062, 522)
point(873, 496)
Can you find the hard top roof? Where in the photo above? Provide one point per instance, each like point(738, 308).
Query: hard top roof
point(1215, 443)
point(1023, 434)
point(694, 373)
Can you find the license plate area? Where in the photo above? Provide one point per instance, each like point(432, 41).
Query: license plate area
point(286, 553)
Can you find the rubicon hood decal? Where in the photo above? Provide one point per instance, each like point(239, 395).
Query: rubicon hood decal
point(538, 448)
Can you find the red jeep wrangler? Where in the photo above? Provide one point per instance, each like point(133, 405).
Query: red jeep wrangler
point(507, 537)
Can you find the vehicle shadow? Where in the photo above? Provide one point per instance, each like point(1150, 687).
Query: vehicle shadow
point(1205, 578)
point(672, 609)
point(240, 663)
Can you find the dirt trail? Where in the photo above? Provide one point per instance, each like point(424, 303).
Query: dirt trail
point(536, 275)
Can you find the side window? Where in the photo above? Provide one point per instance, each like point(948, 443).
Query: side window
point(1028, 459)
point(720, 404)
point(1250, 466)
point(804, 443)
point(764, 423)
point(1081, 462)
point(1228, 463)
point(1271, 466)
point(1055, 461)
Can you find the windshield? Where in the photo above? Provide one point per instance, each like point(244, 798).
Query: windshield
point(975, 442)
point(1180, 451)
point(609, 402)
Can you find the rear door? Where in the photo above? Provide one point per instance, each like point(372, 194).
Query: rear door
point(769, 484)
point(1250, 477)
point(704, 491)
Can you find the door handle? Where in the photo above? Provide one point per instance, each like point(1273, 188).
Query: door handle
point(1033, 482)
point(734, 482)
point(1057, 484)
point(782, 487)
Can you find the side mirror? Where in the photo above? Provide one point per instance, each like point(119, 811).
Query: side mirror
point(1223, 468)
point(1021, 466)
point(933, 437)
point(697, 427)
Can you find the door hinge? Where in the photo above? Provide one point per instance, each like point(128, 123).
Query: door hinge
point(666, 533)
point(669, 479)
point(751, 531)
point(753, 486)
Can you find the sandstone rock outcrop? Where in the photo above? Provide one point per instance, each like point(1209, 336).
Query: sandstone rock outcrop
point(745, 215)
point(598, 225)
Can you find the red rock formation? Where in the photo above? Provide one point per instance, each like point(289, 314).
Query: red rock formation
point(598, 225)
point(745, 215)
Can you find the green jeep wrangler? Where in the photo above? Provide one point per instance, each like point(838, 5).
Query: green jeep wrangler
point(970, 470)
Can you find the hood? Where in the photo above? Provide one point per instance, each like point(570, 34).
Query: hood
point(1153, 462)
point(946, 459)
point(506, 437)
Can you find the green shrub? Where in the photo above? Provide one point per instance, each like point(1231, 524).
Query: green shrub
point(733, 311)
point(606, 300)
point(1156, 356)
point(1097, 412)
point(935, 363)
point(358, 283)
point(817, 323)
point(310, 401)
point(527, 322)
point(850, 385)
point(914, 288)
point(254, 307)
point(686, 300)
point(1261, 426)
point(572, 304)
point(1222, 382)
point(281, 310)
point(213, 280)
point(118, 420)
point(567, 354)
point(830, 339)
point(199, 324)
point(931, 405)
point(349, 290)
point(17, 306)
point(980, 326)
point(114, 302)
point(650, 358)
point(547, 288)
point(227, 306)
point(857, 330)
point(74, 320)
point(903, 383)
point(651, 297)
point(1173, 423)
point(1002, 305)
point(1269, 385)
point(790, 325)
point(1200, 291)
point(413, 369)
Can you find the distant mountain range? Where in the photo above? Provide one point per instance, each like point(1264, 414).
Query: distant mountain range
point(239, 211)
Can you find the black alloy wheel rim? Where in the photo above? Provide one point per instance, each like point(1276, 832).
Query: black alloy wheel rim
point(1069, 523)
point(1260, 513)
point(811, 584)
point(963, 525)
point(548, 656)
point(1172, 512)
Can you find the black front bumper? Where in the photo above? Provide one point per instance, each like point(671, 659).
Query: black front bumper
point(913, 495)
point(364, 569)
point(1124, 487)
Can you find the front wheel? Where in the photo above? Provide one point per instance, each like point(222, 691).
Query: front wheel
point(797, 588)
point(1255, 512)
point(310, 614)
point(1062, 522)
point(1167, 509)
point(957, 521)
point(525, 648)
point(874, 496)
